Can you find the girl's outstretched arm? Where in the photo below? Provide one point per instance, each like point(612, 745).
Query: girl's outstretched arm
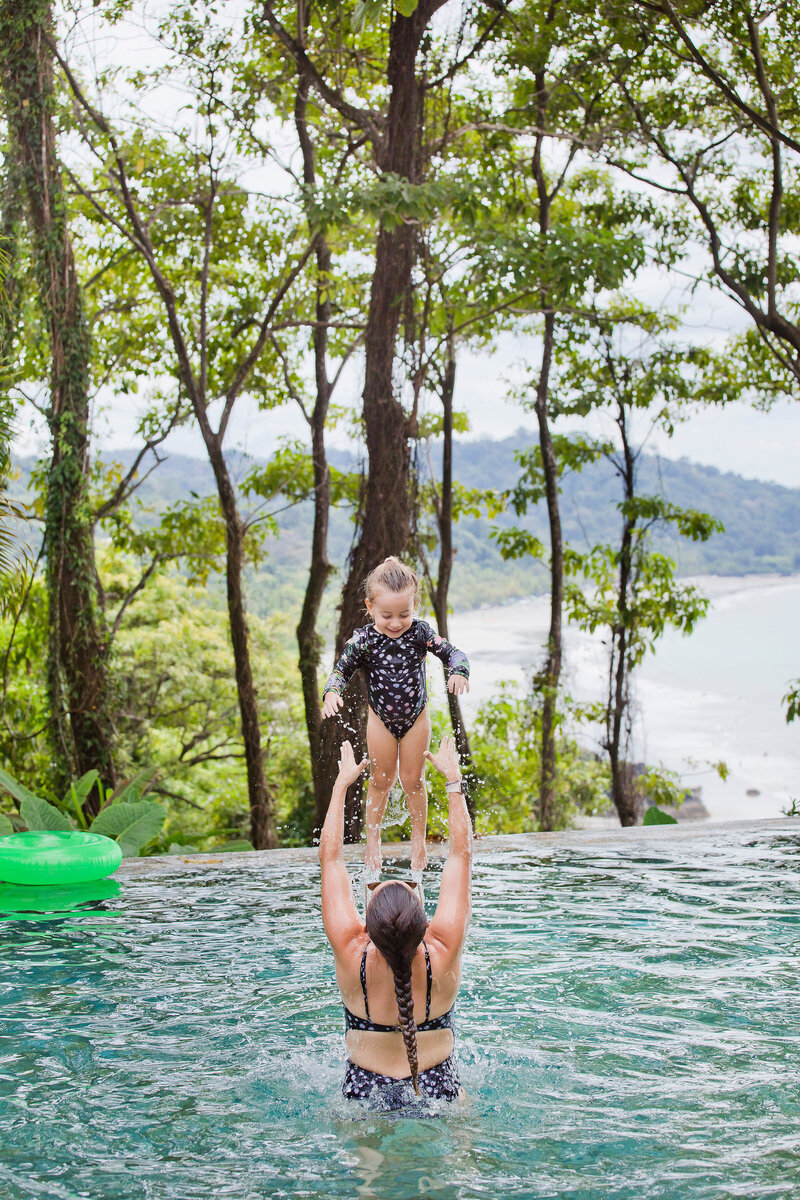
point(339, 914)
point(454, 659)
point(352, 657)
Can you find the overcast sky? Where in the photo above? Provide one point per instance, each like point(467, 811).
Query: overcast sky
point(738, 438)
point(754, 444)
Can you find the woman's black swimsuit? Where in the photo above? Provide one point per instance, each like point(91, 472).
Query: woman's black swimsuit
point(440, 1082)
point(395, 670)
point(386, 1094)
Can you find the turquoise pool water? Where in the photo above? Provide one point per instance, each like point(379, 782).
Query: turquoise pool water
point(629, 1027)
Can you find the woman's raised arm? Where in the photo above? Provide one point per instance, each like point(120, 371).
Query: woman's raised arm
point(339, 914)
point(451, 919)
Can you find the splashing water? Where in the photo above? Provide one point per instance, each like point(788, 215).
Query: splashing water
point(628, 1027)
point(396, 809)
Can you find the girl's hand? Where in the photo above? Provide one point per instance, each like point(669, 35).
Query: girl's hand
point(331, 704)
point(456, 684)
point(349, 769)
point(446, 760)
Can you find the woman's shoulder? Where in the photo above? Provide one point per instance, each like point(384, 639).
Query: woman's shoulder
point(440, 946)
point(445, 965)
point(349, 952)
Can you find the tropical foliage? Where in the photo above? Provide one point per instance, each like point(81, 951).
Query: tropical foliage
point(349, 198)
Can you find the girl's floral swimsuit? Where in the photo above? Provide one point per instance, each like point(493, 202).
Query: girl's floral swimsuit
point(395, 671)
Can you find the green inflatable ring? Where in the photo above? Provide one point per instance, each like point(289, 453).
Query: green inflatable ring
point(57, 857)
point(63, 898)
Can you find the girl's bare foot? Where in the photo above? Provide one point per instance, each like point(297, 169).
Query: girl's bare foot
point(419, 856)
point(372, 874)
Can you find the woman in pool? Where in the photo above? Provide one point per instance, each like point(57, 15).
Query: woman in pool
point(398, 974)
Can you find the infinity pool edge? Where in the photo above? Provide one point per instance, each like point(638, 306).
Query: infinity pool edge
point(484, 846)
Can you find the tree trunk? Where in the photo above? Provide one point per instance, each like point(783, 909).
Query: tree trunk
point(385, 521)
point(439, 593)
point(262, 827)
point(12, 216)
point(550, 674)
point(308, 640)
point(77, 669)
point(623, 788)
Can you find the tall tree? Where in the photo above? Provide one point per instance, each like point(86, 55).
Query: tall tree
point(157, 199)
point(633, 593)
point(561, 59)
point(320, 568)
point(384, 521)
point(440, 587)
point(726, 158)
point(78, 677)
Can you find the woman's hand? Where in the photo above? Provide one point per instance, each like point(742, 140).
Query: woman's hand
point(446, 760)
point(456, 684)
point(349, 769)
point(331, 704)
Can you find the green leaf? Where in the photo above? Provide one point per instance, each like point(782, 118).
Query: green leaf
point(406, 7)
point(77, 793)
point(367, 12)
point(130, 789)
point(5, 826)
point(655, 816)
point(240, 845)
point(133, 825)
point(82, 787)
point(39, 815)
point(518, 543)
point(16, 789)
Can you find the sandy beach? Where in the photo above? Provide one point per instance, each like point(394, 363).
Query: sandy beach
point(715, 695)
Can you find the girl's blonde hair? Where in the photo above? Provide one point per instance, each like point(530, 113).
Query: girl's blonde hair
point(393, 575)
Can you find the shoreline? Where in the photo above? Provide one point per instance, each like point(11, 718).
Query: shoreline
point(714, 586)
point(713, 696)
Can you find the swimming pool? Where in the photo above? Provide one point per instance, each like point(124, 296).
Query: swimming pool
point(629, 1027)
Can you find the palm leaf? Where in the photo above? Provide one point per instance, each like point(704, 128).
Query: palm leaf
point(39, 815)
point(130, 790)
point(15, 788)
point(133, 825)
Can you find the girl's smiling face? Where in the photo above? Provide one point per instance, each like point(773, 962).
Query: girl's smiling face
point(392, 612)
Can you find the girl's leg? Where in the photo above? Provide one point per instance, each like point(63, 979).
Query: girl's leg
point(412, 777)
point(382, 750)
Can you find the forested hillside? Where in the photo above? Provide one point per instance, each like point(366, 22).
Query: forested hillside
point(762, 520)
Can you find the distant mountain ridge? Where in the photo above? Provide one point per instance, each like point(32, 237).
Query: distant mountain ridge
point(762, 520)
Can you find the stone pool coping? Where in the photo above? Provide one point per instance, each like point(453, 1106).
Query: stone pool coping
point(573, 838)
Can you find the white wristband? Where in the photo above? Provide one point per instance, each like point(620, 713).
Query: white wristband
point(453, 786)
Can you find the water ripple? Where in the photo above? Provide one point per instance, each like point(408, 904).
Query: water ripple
point(628, 1027)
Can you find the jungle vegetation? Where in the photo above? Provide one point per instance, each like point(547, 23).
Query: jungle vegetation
point(210, 209)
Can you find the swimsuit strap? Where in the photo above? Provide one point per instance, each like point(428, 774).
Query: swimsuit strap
point(428, 972)
point(430, 981)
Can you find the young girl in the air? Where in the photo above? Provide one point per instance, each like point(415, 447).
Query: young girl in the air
point(392, 651)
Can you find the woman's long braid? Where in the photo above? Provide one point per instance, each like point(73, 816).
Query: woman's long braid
point(408, 1026)
point(396, 923)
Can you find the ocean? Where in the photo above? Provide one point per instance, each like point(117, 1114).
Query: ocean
point(715, 695)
